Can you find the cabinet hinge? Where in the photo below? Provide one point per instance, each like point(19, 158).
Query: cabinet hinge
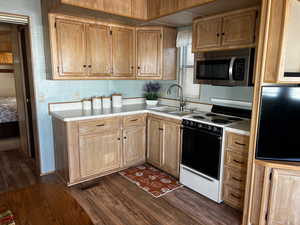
point(58, 69)
point(271, 175)
point(160, 35)
point(55, 25)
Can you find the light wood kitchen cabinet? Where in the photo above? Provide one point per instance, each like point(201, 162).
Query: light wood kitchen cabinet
point(184, 4)
point(225, 31)
point(206, 33)
point(118, 7)
point(71, 48)
point(123, 51)
point(85, 150)
point(99, 50)
point(168, 6)
point(163, 148)
point(85, 49)
point(134, 145)
point(154, 142)
point(276, 196)
point(235, 169)
point(156, 53)
point(99, 152)
point(90, 4)
point(140, 9)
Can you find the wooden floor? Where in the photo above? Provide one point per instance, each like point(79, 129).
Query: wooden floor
point(113, 200)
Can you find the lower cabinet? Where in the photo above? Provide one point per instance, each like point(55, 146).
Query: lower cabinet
point(99, 152)
point(277, 192)
point(163, 147)
point(85, 150)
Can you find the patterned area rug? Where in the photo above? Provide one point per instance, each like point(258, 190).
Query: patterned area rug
point(6, 217)
point(151, 180)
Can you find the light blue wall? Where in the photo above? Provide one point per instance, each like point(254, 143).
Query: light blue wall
point(55, 91)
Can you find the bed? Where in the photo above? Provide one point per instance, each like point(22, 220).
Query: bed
point(9, 126)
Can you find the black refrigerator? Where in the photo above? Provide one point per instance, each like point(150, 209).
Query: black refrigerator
point(279, 124)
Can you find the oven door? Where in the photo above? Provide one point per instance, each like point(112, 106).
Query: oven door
point(201, 151)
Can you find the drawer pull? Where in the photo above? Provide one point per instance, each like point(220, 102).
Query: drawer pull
point(100, 125)
point(134, 120)
point(236, 179)
point(161, 129)
point(239, 162)
point(237, 143)
point(235, 196)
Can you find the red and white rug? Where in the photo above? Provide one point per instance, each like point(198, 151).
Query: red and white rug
point(151, 180)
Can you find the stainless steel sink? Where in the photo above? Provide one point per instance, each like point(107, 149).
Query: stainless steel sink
point(181, 113)
point(166, 109)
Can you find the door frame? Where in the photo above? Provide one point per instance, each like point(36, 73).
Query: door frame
point(16, 20)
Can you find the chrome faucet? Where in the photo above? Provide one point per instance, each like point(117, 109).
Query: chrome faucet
point(182, 102)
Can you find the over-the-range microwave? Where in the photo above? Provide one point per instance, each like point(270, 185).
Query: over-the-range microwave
point(225, 68)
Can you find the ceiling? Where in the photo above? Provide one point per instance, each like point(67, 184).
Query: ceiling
point(185, 18)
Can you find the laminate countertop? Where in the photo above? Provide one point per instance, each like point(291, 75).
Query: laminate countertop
point(75, 115)
point(242, 127)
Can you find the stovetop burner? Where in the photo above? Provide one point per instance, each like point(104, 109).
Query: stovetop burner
point(198, 117)
point(210, 114)
point(220, 121)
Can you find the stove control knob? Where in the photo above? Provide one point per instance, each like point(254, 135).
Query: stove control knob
point(200, 125)
point(191, 123)
point(215, 129)
point(209, 128)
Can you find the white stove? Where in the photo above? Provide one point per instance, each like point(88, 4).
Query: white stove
point(203, 150)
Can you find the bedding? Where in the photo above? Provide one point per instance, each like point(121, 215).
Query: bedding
point(8, 110)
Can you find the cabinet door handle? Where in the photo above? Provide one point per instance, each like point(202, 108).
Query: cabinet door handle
point(119, 139)
point(100, 125)
point(235, 196)
point(223, 34)
point(134, 120)
point(236, 179)
point(238, 143)
point(239, 162)
point(90, 66)
point(218, 35)
point(84, 66)
point(138, 67)
point(160, 129)
point(125, 138)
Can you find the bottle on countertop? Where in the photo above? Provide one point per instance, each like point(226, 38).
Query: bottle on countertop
point(86, 104)
point(106, 102)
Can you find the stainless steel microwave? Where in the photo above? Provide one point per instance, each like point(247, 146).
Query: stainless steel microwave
point(226, 68)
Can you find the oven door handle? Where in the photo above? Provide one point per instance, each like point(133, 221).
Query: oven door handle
point(203, 131)
point(232, 61)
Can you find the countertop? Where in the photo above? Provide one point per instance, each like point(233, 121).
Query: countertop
point(74, 115)
point(242, 127)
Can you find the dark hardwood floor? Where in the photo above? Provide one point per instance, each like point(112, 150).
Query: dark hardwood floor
point(113, 200)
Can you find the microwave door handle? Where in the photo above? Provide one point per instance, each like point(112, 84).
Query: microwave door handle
point(232, 61)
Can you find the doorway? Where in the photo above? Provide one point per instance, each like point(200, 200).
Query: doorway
point(18, 129)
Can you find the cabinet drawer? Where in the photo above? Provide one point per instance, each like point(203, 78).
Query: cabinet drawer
point(233, 197)
point(238, 142)
point(134, 120)
point(236, 160)
point(96, 126)
point(235, 178)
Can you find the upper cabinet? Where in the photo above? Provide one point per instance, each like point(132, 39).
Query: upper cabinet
point(156, 53)
point(118, 7)
point(280, 43)
point(227, 31)
point(184, 4)
point(140, 9)
point(83, 49)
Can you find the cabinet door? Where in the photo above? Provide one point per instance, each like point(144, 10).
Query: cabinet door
point(139, 9)
point(168, 6)
point(121, 7)
point(239, 29)
point(99, 153)
point(154, 142)
point(171, 148)
point(206, 33)
point(71, 48)
point(149, 53)
point(123, 49)
point(284, 198)
point(183, 4)
point(99, 50)
point(90, 4)
point(134, 147)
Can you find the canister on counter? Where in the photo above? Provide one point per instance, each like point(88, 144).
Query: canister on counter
point(117, 100)
point(106, 102)
point(96, 103)
point(86, 104)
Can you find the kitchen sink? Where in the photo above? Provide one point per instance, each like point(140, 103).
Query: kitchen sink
point(166, 109)
point(180, 113)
